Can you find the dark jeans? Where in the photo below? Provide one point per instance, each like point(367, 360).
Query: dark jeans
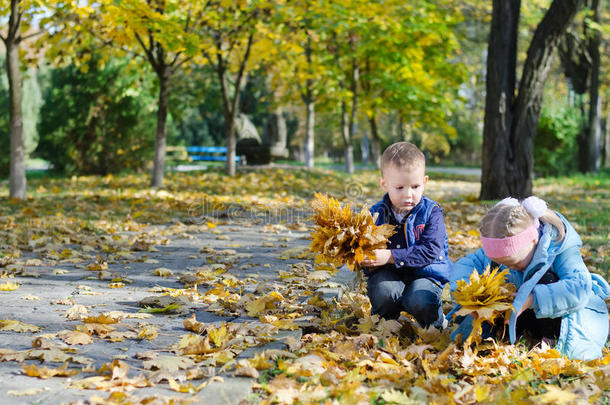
point(391, 291)
point(540, 327)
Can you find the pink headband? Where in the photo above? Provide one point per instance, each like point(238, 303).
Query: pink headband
point(503, 247)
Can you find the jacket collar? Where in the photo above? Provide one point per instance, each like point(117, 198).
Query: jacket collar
point(388, 208)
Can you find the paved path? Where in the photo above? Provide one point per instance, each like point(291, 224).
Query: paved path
point(49, 291)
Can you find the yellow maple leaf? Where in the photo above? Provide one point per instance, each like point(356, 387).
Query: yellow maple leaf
point(101, 318)
point(194, 344)
point(219, 336)
point(487, 296)
point(256, 306)
point(148, 332)
point(18, 326)
point(260, 361)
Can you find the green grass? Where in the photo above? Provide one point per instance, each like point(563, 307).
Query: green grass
point(585, 201)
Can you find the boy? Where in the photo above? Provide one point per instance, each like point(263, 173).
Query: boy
point(410, 274)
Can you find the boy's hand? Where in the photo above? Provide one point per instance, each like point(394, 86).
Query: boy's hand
point(382, 256)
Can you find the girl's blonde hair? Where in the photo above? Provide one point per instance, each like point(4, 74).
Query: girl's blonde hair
point(505, 220)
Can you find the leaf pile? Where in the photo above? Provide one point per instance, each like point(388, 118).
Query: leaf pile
point(343, 237)
point(487, 295)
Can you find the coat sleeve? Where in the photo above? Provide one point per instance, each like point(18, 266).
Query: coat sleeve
point(463, 268)
point(430, 246)
point(570, 293)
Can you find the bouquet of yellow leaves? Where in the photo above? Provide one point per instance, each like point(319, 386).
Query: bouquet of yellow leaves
point(344, 237)
point(488, 295)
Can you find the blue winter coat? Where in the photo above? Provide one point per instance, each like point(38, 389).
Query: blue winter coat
point(578, 297)
point(420, 243)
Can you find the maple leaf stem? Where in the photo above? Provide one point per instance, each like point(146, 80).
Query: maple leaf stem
point(358, 270)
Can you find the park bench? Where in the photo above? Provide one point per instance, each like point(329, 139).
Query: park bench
point(183, 154)
point(208, 153)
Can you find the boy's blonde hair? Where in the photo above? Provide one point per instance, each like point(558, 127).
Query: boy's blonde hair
point(402, 155)
point(504, 220)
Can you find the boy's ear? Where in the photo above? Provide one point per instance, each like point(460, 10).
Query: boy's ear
point(425, 180)
point(382, 183)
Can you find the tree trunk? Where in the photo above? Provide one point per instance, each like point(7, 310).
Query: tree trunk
point(230, 108)
point(606, 144)
point(511, 122)
point(348, 149)
point(229, 116)
point(230, 166)
point(310, 121)
point(592, 134)
point(161, 136)
point(500, 87)
point(375, 142)
point(17, 179)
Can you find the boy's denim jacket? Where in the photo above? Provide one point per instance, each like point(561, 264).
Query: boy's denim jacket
point(420, 243)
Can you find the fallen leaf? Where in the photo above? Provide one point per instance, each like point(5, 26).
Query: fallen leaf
point(168, 363)
point(243, 368)
point(101, 318)
point(76, 312)
point(8, 286)
point(33, 371)
point(163, 272)
point(75, 337)
point(27, 392)
point(554, 395)
point(193, 325)
point(18, 326)
point(148, 332)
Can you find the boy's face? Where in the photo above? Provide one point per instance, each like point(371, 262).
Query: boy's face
point(405, 186)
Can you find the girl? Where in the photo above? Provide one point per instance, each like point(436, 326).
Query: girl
point(557, 297)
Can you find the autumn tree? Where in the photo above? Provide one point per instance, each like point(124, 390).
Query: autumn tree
point(300, 68)
point(408, 66)
point(512, 108)
point(162, 32)
point(20, 21)
point(236, 36)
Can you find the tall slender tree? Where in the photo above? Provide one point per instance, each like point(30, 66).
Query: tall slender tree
point(164, 33)
point(581, 62)
point(236, 37)
point(12, 39)
point(25, 20)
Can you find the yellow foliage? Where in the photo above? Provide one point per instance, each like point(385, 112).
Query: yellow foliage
point(487, 295)
point(8, 286)
point(219, 336)
point(101, 318)
point(18, 326)
point(44, 372)
point(342, 237)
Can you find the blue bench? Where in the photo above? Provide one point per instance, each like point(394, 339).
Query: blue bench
point(208, 153)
